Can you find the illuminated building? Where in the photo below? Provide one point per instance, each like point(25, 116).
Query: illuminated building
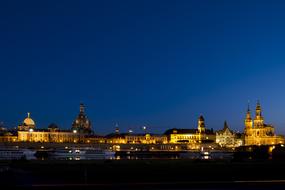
point(257, 132)
point(192, 136)
point(146, 139)
point(42, 135)
point(116, 138)
point(129, 138)
point(81, 128)
point(228, 138)
point(82, 124)
point(28, 124)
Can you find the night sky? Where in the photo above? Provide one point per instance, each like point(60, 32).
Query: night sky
point(154, 63)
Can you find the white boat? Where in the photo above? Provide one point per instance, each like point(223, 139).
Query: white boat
point(67, 152)
point(29, 154)
point(16, 154)
point(11, 154)
point(82, 154)
point(99, 154)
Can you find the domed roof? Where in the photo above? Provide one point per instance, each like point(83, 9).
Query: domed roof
point(28, 121)
point(82, 123)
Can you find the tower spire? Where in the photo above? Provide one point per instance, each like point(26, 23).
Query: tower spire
point(258, 120)
point(258, 108)
point(248, 120)
point(82, 108)
point(225, 125)
point(248, 117)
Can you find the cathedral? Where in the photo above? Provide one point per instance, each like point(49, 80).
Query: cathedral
point(82, 124)
point(257, 132)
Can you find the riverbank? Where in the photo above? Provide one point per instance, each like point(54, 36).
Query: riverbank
point(141, 173)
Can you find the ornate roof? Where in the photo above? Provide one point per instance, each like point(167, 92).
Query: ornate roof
point(29, 121)
point(226, 127)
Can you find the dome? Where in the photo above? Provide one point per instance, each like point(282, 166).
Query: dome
point(28, 121)
point(82, 123)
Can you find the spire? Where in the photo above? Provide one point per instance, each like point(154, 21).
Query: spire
point(226, 125)
point(117, 130)
point(29, 114)
point(248, 117)
point(82, 108)
point(258, 108)
point(248, 120)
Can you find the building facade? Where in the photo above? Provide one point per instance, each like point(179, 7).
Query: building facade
point(191, 136)
point(81, 127)
point(228, 138)
point(127, 138)
point(257, 132)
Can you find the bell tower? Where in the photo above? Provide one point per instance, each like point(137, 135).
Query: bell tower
point(247, 121)
point(201, 124)
point(258, 120)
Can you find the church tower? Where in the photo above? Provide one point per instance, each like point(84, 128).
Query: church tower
point(201, 124)
point(258, 120)
point(247, 121)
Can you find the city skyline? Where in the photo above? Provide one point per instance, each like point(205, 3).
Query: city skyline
point(135, 129)
point(145, 63)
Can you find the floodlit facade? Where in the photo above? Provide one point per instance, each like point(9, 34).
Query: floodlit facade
point(126, 138)
point(259, 133)
point(256, 132)
point(191, 136)
point(48, 136)
point(227, 138)
point(81, 126)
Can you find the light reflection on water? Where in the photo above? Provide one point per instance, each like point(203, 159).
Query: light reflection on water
point(132, 157)
point(76, 158)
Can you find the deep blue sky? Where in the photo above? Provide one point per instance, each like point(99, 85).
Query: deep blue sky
point(149, 62)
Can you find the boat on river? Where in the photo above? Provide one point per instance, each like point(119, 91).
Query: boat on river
point(82, 154)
